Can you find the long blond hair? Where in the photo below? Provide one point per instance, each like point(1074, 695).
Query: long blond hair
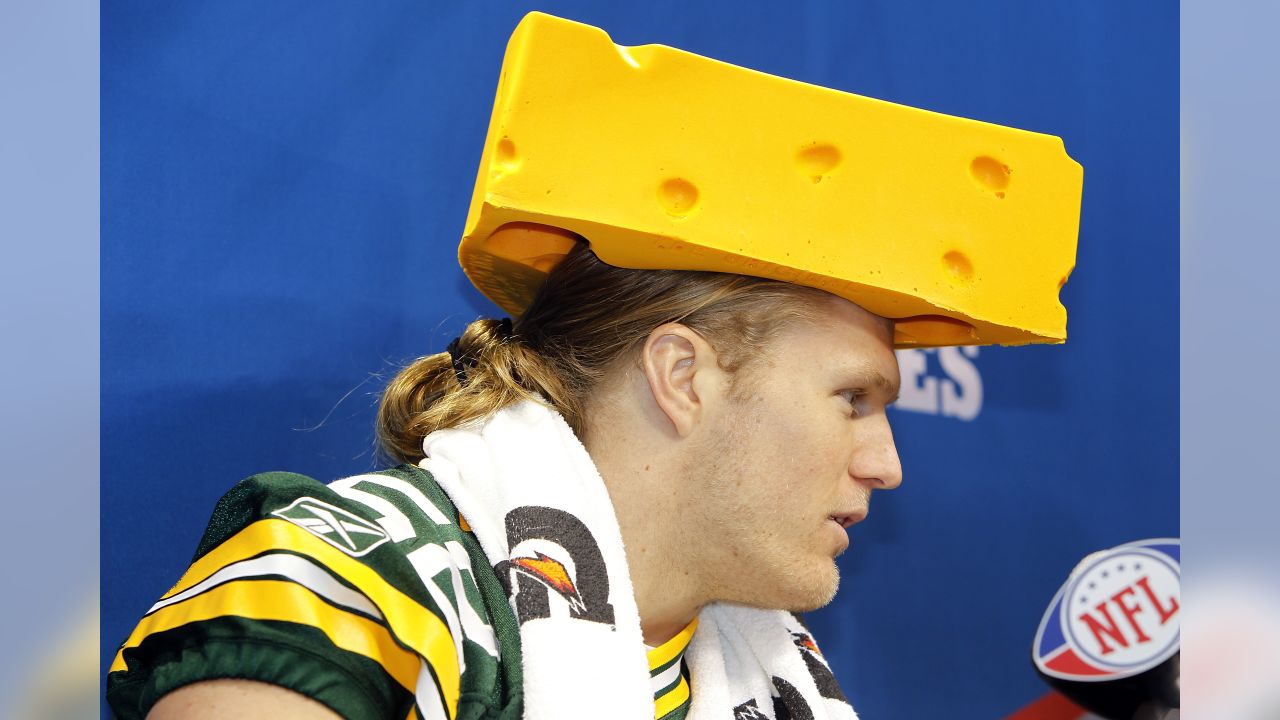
point(587, 317)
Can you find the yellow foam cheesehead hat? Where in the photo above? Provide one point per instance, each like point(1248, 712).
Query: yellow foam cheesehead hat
point(961, 231)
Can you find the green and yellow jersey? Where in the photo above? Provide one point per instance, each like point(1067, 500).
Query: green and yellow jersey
point(364, 594)
point(369, 595)
point(669, 676)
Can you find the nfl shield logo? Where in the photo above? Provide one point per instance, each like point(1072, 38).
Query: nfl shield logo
point(1116, 616)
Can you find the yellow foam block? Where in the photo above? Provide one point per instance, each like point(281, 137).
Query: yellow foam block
point(962, 231)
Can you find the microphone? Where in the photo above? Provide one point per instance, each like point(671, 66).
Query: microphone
point(1109, 639)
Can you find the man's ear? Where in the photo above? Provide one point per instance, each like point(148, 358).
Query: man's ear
point(680, 367)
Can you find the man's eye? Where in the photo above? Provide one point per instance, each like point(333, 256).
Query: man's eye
point(854, 398)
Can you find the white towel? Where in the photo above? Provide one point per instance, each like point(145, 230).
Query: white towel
point(542, 514)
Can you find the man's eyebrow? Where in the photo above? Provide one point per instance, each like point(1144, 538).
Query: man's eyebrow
point(878, 379)
point(891, 389)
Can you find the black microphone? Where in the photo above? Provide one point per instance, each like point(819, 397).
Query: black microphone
point(1109, 639)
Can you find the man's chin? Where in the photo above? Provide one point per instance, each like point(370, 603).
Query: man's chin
point(822, 593)
point(816, 589)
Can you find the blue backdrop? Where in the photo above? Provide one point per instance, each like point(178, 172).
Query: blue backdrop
point(284, 185)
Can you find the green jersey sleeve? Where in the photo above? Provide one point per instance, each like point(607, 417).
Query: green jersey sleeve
point(365, 595)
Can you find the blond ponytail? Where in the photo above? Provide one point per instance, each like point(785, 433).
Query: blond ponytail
point(487, 370)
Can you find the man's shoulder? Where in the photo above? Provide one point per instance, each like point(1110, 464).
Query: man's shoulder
point(358, 584)
point(357, 514)
point(394, 529)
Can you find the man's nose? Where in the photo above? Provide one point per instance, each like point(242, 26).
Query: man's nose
point(875, 460)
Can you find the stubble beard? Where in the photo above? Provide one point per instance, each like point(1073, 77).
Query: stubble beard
point(745, 566)
point(780, 585)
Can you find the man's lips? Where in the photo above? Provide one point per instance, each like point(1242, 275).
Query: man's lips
point(848, 519)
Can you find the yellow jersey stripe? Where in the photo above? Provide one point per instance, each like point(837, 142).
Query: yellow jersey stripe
point(289, 602)
point(412, 624)
point(667, 651)
point(671, 700)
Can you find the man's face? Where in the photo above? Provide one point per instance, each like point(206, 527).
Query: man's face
point(790, 458)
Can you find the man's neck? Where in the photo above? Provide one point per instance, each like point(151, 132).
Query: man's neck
point(644, 486)
point(658, 555)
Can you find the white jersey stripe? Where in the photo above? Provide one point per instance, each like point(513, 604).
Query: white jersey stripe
point(395, 522)
point(427, 694)
point(298, 569)
point(428, 561)
point(408, 490)
point(660, 681)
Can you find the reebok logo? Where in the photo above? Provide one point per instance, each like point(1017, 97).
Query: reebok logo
point(349, 533)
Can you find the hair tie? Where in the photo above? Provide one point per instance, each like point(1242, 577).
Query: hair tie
point(462, 362)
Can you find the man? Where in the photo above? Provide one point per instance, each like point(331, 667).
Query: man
point(733, 472)
point(643, 457)
point(728, 485)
